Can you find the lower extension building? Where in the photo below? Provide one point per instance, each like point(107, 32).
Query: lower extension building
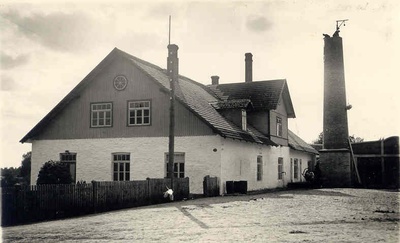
point(114, 126)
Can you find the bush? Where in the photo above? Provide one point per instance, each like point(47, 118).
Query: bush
point(54, 172)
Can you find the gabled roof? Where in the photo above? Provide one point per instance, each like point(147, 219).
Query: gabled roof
point(198, 98)
point(70, 96)
point(264, 95)
point(297, 143)
point(195, 96)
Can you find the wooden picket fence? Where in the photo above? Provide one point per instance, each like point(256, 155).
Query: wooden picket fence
point(27, 204)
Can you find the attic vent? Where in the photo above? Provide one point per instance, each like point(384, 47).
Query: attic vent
point(120, 82)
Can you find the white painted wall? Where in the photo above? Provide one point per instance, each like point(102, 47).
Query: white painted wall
point(94, 157)
point(304, 158)
point(239, 162)
point(233, 160)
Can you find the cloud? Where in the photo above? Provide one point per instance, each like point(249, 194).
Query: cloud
point(7, 83)
point(258, 24)
point(57, 30)
point(162, 10)
point(8, 62)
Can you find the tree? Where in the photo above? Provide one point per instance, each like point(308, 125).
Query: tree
point(9, 176)
point(54, 172)
point(320, 139)
point(22, 174)
point(353, 139)
point(25, 171)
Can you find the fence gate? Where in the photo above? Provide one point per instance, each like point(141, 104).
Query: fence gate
point(211, 186)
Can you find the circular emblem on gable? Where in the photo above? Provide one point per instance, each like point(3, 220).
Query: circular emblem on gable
point(120, 82)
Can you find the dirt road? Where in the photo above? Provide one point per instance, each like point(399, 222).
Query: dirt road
point(323, 215)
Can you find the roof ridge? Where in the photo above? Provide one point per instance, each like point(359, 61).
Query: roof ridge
point(249, 83)
point(140, 60)
point(300, 142)
point(203, 86)
point(165, 71)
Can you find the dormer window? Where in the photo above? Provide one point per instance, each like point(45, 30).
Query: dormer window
point(278, 126)
point(244, 120)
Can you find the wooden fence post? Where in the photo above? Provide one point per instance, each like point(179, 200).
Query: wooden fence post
point(383, 164)
point(148, 189)
point(94, 196)
point(17, 189)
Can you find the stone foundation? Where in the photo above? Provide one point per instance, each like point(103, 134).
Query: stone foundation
point(335, 165)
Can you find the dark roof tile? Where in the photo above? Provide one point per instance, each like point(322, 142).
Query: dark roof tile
point(232, 104)
point(264, 95)
point(296, 143)
point(195, 96)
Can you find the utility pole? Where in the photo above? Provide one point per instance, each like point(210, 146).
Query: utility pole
point(172, 68)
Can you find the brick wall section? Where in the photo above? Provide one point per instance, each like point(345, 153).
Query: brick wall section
point(335, 168)
point(335, 114)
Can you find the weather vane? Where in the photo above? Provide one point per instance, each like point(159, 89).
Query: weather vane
point(169, 31)
point(340, 23)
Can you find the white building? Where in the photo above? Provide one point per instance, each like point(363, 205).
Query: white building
point(114, 125)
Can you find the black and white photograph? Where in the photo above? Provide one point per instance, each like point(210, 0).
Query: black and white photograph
point(200, 121)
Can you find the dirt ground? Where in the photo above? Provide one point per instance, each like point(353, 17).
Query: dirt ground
point(320, 215)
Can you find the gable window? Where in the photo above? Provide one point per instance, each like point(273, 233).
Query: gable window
point(69, 159)
point(244, 120)
point(280, 168)
point(279, 127)
point(179, 165)
point(121, 166)
point(101, 115)
point(296, 169)
point(138, 113)
point(259, 168)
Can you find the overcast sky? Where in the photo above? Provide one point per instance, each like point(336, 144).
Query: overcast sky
point(48, 48)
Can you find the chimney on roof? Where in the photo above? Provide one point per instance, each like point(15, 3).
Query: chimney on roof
point(214, 80)
point(249, 67)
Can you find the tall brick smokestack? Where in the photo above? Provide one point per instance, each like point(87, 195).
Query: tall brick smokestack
point(249, 67)
point(335, 126)
point(335, 163)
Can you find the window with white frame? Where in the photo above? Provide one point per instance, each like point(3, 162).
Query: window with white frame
point(138, 113)
point(121, 166)
point(101, 115)
point(179, 165)
point(296, 169)
point(278, 126)
point(69, 159)
point(259, 168)
point(244, 120)
point(280, 168)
